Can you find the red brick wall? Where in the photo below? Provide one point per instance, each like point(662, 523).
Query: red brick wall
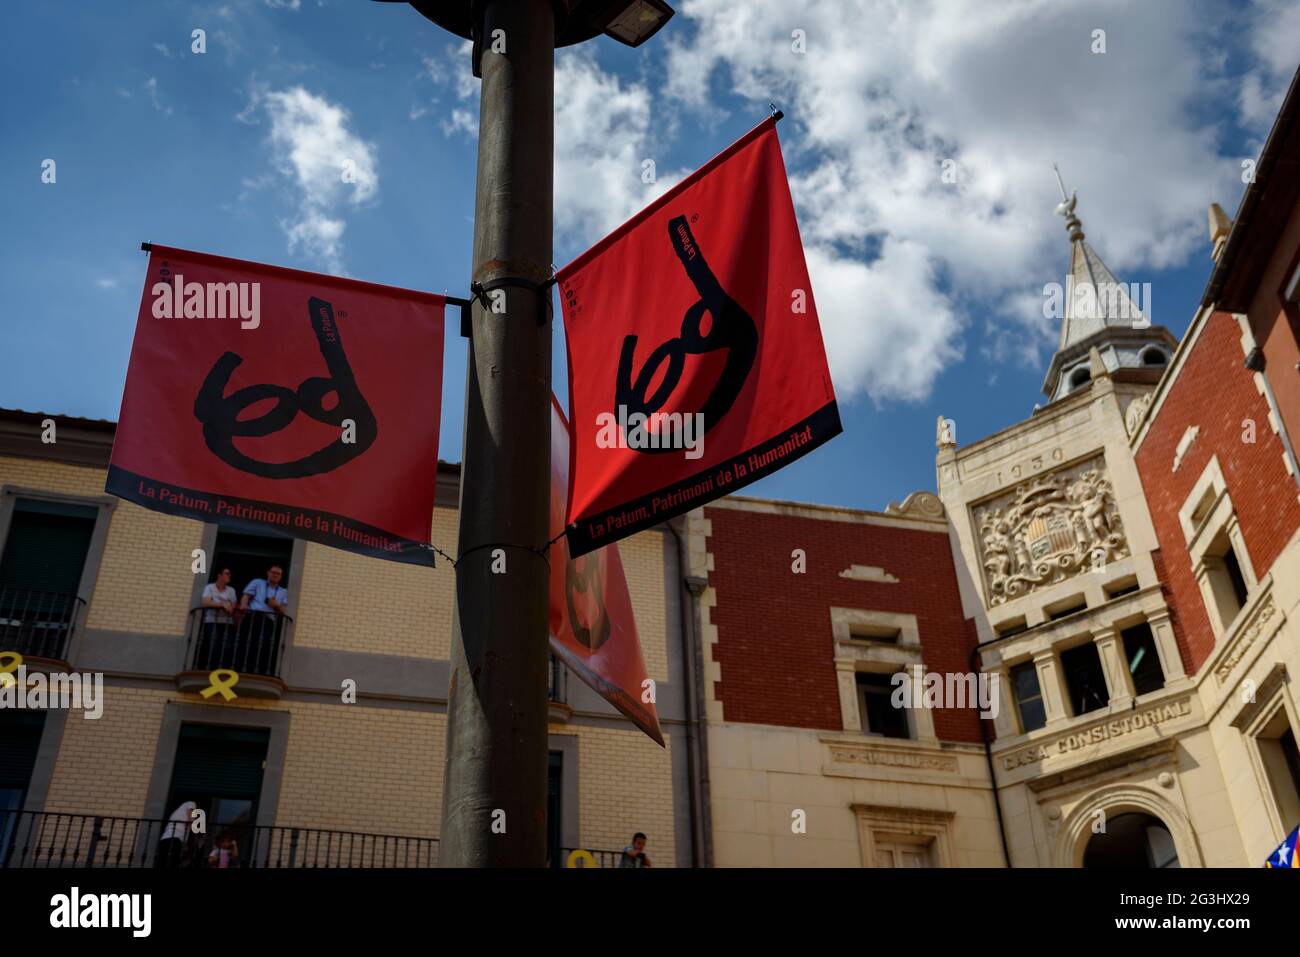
point(1216, 392)
point(775, 646)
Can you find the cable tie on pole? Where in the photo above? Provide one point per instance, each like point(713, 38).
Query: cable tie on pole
point(480, 291)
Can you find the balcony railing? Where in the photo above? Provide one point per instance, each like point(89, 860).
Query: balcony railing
point(48, 839)
point(38, 624)
point(602, 858)
point(251, 643)
point(557, 681)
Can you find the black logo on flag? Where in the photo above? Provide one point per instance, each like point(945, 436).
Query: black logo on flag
point(219, 413)
point(587, 582)
point(732, 329)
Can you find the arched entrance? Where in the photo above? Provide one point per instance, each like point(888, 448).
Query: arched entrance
point(1115, 801)
point(1132, 841)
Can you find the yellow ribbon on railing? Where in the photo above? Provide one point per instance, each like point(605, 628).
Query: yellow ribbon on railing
point(581, 855)
point(223, 679)
point(8, 667)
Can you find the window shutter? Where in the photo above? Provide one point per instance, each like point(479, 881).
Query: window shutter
point(221, 761)
point(20, 739)
point(47, 545)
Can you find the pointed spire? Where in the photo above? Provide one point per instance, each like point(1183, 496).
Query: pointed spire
point(1101, 325)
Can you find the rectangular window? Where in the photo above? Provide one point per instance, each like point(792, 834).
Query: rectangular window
point(879, 716)
point(1029, 696)
point(1014, 627)
point(1232, 568)
point(885, 636)
point(40, 575)
point(903, 851)
point(20, 740)
point(219, 768)
point(249, 557)
point(1085, 679)
point(1281, 759)
point(1069, 608)
point(1142, 659)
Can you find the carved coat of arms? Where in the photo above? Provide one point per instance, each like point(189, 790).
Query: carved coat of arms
point(1047, 530)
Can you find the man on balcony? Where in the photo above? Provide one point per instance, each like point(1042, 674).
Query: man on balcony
point(264, 603)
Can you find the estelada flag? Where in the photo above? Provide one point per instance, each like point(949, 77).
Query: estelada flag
point(1285, 854)
point(696, 363)
point(259, 397)
point(592, 628)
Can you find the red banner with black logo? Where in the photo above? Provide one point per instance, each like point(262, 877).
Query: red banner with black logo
point(260, 397)
point(592, 627)
point(696, 363)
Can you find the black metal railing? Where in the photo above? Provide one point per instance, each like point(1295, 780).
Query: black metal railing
point(50, 839)
point(38, 624)
point(602, 858)
point(250, 642)
point(557, 681)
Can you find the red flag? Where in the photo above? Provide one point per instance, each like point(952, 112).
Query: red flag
point(696, 363)
point(592, 627)
point(269, 398)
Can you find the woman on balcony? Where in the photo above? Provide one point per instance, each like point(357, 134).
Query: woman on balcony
point(218, 632)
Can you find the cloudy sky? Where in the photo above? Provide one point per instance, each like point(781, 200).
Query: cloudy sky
point(930, 288)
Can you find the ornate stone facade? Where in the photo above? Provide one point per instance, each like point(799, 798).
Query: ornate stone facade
point(1049, 529)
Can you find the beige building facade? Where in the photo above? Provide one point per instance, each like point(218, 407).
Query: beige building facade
point(92, 584)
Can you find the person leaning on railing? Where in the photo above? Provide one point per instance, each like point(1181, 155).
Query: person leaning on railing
point(218, 618)
point(267, 600)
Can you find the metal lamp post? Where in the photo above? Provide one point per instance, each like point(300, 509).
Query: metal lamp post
point(494, 794)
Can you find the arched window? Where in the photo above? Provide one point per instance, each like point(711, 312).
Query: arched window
point(1079, 378)
point(1153, 357)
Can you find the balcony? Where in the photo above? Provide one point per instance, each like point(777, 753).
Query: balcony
point(38, 624)
point(252, 645)
point(44, 839)
point(602, 858)
point(557, 691)
point(52, 840)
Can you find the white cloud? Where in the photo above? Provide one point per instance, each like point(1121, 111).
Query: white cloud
point(106, 283)
point(163, 49)
point(887, 91)
point(284, 4)
point(1273, 37)
point(892, 333)
point(151, 87)
point(460, 121)
point(602, 140)
point(330, 167)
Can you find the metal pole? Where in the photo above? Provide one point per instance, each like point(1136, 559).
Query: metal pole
point(494, 794)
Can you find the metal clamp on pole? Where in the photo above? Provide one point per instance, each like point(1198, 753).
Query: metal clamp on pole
point(481, 290)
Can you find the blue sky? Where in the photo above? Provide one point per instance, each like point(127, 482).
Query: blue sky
point(930, 292)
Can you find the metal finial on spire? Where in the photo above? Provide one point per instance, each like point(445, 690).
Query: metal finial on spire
point(1073, 225)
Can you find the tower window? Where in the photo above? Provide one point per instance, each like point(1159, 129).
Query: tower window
point(1079, 378)
point(1153, 357)
point(1085, 679)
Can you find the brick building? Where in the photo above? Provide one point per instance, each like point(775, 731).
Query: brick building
point(1125, 563)
point(1107, 592)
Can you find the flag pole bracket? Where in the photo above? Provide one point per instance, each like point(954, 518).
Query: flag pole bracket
point(480, 292)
